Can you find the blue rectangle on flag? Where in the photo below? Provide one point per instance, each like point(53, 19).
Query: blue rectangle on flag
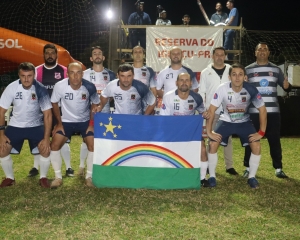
point(148, 128)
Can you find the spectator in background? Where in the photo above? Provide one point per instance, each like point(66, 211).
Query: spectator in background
point(230, 33)
point(186, 20)
point(138, 35)
point(218, 18)
point(49, 73)
point(162, 20)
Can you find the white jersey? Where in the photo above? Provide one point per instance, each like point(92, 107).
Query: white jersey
point(75, 104)
point(100, 80)
point(172, 104)
point(145, 75)
point(129, 101)
point(209, 82)
point(167, 78)
point(28, 103)
point(236, 105)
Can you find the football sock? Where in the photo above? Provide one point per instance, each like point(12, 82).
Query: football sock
point(44, 166)
point(253, 165)
point(7, 165)
point(83, 154)
point(89, 164)
point(66, 154)
point(212, 164)
point(203, 170)
point(56, 163)
point(36, 161)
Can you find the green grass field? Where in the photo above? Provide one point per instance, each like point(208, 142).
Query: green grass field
point(232, 210)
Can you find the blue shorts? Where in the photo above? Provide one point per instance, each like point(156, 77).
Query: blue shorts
point(17, 136)
point(79, 127)
point(243, 130)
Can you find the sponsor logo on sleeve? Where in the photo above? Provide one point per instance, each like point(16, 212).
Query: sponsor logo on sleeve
point(215, 96)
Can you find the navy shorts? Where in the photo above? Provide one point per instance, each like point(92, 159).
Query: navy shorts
point(17, 136)
point(79, 127)
point(243, 130)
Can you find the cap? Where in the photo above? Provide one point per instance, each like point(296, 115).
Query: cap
point(163, 11)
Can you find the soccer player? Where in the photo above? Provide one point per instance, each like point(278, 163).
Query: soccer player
point(31, 119)
point(48, 74)
point(211, 77)
point(183, 101)
point(266, 76)
point(76, 96)
point(235, 97)
point(129, 94)
point(100, 77)
point(166, 79)
point(141, 72)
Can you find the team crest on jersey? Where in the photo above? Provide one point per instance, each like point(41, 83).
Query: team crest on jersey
point(271, 74)
point(144, 74)
point(243, 99)
point(256, 74)
point(191, 107)
point(163, 106)
point(83, 96)
point(215, 96)
point(105, 77)
point(57, 75)
point(132, 96)
point(33, 96)
point(258, 96)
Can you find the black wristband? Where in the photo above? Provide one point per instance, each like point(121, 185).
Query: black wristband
point(2, 127)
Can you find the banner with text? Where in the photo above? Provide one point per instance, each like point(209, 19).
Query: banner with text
point(196, 43)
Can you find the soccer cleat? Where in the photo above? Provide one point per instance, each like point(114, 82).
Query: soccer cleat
point(253, 183)
point(33, 172)
point(44, 183)
point(57, 182)
point(204, 183)
point(231, 171)
point(70, 172)
point(281, 174)
point(246, 173)
point(212, 182)
point(89, 182)
point(81, 171)
point(7, 182)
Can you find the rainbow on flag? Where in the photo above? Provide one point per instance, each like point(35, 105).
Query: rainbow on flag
point(155, 152)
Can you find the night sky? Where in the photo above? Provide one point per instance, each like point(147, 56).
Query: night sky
point(256, 14)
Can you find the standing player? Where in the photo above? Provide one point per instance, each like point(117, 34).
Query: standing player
point(100, 77)
point(266, 76)
point(235, 97)
point(129, 94)
point(48, 74)
point(31, 119)
point(141, 72)
point(76, 96)
point(166, 79)
point(211, 77)
point(187, 102)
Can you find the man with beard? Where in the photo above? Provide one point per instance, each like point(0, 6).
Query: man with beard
point(219, 17)
point(163, 19)
point(265, 76)
point(186, 20)
point(100, 77)
point(182, 101)
point(139, 18)
point(49, 74)
point(166, 79)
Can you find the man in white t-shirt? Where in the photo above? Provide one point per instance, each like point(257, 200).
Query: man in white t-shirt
point(77, 96)
point(129, 94)
point(166, 79)
point(181, 102)
point(31, 120)
point(211, 77)
point(236, 97)
point(100, 77)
